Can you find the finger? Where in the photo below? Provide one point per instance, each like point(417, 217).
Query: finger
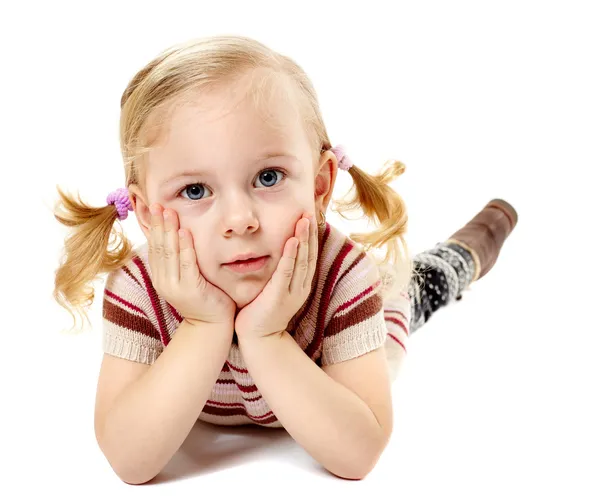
point(189, 273)
point(301, 267)
point(285, 268)
point(156, 242)
point(313, 249)
point(171, 252)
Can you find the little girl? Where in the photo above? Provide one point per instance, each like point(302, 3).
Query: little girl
point(245, 306)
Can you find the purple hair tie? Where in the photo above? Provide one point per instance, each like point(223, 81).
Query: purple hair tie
point(344, 161)
point(120, 198)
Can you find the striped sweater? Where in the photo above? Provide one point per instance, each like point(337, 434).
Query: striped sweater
point(346, 315)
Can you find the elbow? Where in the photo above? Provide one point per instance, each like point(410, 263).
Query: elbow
point(356, 474)
point(134, 478)
point(356, 470)
point(127, 472)
point(360, 467)
point(134, 475)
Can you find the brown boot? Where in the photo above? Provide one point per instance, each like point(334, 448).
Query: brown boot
point(485, 234)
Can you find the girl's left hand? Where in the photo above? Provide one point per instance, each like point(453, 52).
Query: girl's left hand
point(287, 290)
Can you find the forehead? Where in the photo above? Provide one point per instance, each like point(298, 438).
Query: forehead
point(251, 114)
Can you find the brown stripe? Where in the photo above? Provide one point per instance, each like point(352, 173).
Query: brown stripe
point(309, 302)
point(360, 313)
point(132, 277)
point(330, 282)
point(357, 260)
point(126, 319)
point(226, 382)
point(154, 300)
point(224, 411)
point(108, 292)
point(238, 411)
point(225, 404)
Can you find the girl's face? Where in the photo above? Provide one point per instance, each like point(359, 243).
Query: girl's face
point(238, 179)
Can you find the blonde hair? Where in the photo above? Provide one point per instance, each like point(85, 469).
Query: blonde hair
point(179, 71)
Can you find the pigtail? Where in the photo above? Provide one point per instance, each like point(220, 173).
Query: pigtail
point(384, 206)
point(87, 252)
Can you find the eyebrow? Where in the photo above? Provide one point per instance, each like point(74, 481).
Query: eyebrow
point(199, 172)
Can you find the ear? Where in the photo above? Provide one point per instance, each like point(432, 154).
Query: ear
point(325, 180)
point(140, 208)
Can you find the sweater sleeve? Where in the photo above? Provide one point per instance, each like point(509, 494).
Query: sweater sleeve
point(129, 322)
point(357, 325)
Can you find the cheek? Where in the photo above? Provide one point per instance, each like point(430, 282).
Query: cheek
point(285, 228)
point(204, 256)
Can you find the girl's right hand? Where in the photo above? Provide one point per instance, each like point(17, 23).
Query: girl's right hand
point(176, 274)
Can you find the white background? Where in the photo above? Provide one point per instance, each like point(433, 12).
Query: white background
point(498, 396)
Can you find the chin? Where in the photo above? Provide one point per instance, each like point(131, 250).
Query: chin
point(244, 293)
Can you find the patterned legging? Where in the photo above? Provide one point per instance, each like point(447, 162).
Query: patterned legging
point(447, 269)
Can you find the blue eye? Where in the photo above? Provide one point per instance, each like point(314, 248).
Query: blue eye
point(194, 190)
point(269, 177)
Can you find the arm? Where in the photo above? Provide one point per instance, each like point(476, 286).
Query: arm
point(331, 422)
point(149, 420)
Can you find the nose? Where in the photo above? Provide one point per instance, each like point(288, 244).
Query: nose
point(239, 217)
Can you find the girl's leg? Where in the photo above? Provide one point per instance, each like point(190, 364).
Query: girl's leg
point(465, 257)
point(442, 273)
point(446, 270)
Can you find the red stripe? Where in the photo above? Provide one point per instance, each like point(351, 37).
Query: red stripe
point(177, 315)
point(242, 388)
point(247, 389)
point(344, 306)
point(397, 340)
point(154, 300)
point(353, 264)
point(125, 302)
point(308, 303)
point(330, 282)
point(236, 369)
point(396, 321)
point(233, 404)
point(388, 311)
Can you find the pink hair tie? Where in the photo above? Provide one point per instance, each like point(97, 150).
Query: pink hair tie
point(120, 198)
point(344, 161)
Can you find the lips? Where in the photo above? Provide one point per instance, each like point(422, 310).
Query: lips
point(247, 265)
point(245, 257)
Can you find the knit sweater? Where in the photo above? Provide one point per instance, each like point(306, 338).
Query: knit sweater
point(345, 316)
